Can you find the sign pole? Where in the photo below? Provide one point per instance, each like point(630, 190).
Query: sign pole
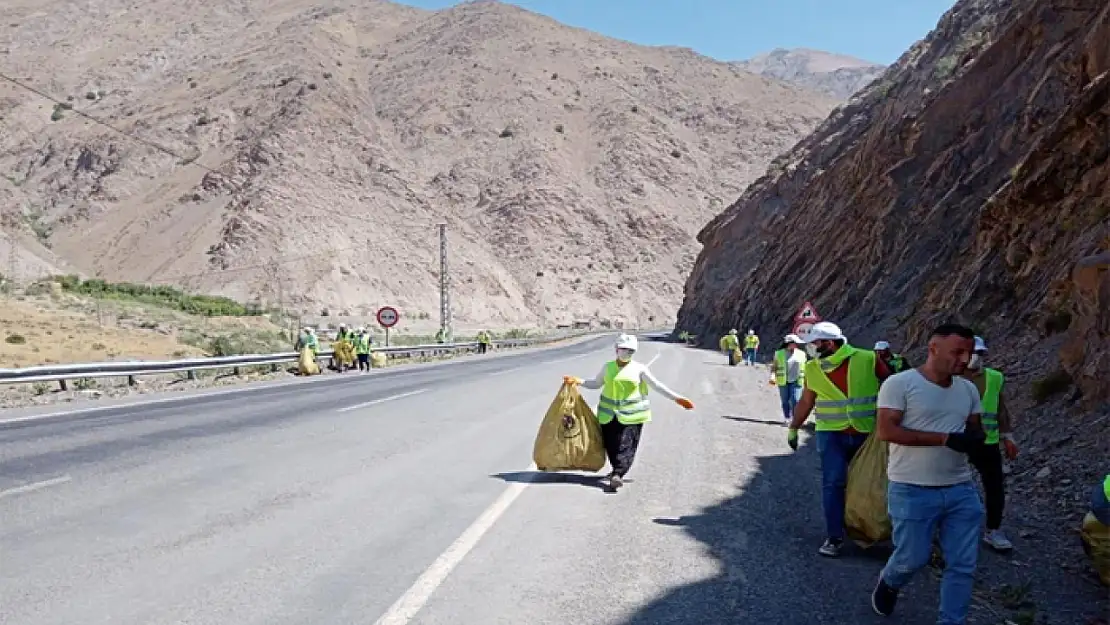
point(387, 337)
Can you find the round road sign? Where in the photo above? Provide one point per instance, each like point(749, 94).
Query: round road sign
point(802, 327)
point(388, 316)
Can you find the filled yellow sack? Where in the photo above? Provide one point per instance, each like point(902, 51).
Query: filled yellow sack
point(737, 357)
point(378, 360)
point(723, 343)
point(865, 513)
point(306, 365)
point(344, 353)
point(570, 436)
point(1096, 544)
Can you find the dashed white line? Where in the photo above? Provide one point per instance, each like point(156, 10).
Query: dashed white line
point(409, 604)
point(33, 486)
point(382, 400)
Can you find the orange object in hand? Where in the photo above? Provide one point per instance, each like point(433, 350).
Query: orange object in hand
point(1011, 448)
point(685, 403)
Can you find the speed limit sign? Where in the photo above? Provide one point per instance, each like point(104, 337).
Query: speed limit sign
point(388, 316)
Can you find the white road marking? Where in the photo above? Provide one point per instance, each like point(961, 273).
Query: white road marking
point(652, 361)
point(409, 604)
point(383, 400)
point(33, 486)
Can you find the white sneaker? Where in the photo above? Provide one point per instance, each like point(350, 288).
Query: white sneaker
point(996, 540)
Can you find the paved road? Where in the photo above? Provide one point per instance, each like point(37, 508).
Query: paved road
point(406, 498)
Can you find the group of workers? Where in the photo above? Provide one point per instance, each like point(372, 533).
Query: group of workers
point(350, 345)
point(730, 344)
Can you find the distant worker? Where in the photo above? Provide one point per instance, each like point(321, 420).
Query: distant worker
point(751, 346)
point(788, 373)
point(987, 459)
point(441, 336)
point(308, 339)
point(895, 362)
point(730, 344)
point(362, 349)
point(841, 388)
point(484, 341)
point(623, 408)
point(342, 334)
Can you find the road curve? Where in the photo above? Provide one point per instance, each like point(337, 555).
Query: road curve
point(406, 497)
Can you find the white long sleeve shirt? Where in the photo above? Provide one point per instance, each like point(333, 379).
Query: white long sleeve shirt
point(644, 375)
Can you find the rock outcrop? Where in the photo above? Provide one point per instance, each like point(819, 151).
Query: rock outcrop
point(967, 182)
point(834, 75)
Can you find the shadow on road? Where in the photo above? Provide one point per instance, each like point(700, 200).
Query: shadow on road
point(541, 477)
point(765, 541)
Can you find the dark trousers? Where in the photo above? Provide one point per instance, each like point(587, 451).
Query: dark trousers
point(621, 443)
point(987, 460)
point(364, 362)
point(482, 348)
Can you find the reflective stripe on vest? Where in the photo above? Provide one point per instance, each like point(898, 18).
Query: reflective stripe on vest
point(992, 391)
point(624, 395)
point(835, 411)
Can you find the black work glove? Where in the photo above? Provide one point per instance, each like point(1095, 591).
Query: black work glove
point(965, 442)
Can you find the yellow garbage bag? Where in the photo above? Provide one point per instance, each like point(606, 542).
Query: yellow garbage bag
point(1096, 544)
point(865, 513)
point(723, 343)
point(735, 357)
point(344, 353)
point(378, 360)
point(570, 436)
point(307, 362)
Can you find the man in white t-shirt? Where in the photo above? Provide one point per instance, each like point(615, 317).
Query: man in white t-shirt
point(931, 418)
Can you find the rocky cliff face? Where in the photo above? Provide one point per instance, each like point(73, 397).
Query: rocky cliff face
point(834, 75)
point(970, 181)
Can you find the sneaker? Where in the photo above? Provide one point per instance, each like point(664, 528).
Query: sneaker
point(615, 481)
point(884, 598)
point(996, 540)
point(831, 548)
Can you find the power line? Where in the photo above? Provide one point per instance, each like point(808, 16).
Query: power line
point(185, 160)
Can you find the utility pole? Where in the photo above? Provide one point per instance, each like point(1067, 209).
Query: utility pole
point(444, 285)
point(13, 261)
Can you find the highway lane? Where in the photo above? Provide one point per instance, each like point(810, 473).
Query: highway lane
point(406, 498)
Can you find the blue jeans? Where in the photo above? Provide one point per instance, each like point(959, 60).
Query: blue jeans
point(789, 395)
point(836, 450)
point(917, 512)
point(749, 356)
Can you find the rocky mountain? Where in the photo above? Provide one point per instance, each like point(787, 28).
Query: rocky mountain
point(302, 153)
point(970, 183)
point(834, 75)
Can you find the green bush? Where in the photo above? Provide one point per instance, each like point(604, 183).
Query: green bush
point(168, 296)
point(15, 339)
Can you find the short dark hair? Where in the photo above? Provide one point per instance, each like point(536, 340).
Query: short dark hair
point(948, 329)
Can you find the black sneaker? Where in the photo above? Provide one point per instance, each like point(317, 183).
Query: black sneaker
point(830, 548)
point(884, 598)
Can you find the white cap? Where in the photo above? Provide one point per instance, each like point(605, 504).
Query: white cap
point(792, 338)
point(627, 341)
point(824, 331)
point(980, 344)
point(882, 345)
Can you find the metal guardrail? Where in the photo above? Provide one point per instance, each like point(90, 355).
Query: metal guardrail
point(133, 368)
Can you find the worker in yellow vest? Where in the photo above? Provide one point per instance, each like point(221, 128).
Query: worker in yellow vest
point(788, 373)
point(842, 389)
point(730, 344)
point(987, 459)
point(623, 408)
point(751, 346)
point(362, 349)
point(897, 363)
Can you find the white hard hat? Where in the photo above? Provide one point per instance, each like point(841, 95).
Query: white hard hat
point(824, 331)
point(751, 331)
point(792, 338)
point(882, 345)
point(732, 331)
point(627, 341)
point(980, 344)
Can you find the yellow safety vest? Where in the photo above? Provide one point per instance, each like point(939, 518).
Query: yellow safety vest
point(729, 342)
point(362, 344)
point(1106, 487)
point(780, 369)
point(624, 396)
point(835, 411)
point(751, 342)
point(992, 391)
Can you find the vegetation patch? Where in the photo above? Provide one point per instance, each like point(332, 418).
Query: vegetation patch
point(166, 296)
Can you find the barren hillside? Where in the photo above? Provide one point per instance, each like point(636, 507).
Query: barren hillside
point(971, 182)
point(316, 145)
point(834, 75)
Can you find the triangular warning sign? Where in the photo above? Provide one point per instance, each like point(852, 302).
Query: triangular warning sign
point(807, 312)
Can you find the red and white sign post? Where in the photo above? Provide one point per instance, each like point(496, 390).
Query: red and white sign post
point(387, 318)
point(806, 317)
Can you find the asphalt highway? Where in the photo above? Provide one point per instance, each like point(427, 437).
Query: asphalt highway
point(408, 496)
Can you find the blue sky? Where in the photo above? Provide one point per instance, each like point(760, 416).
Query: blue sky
point(729, 30)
